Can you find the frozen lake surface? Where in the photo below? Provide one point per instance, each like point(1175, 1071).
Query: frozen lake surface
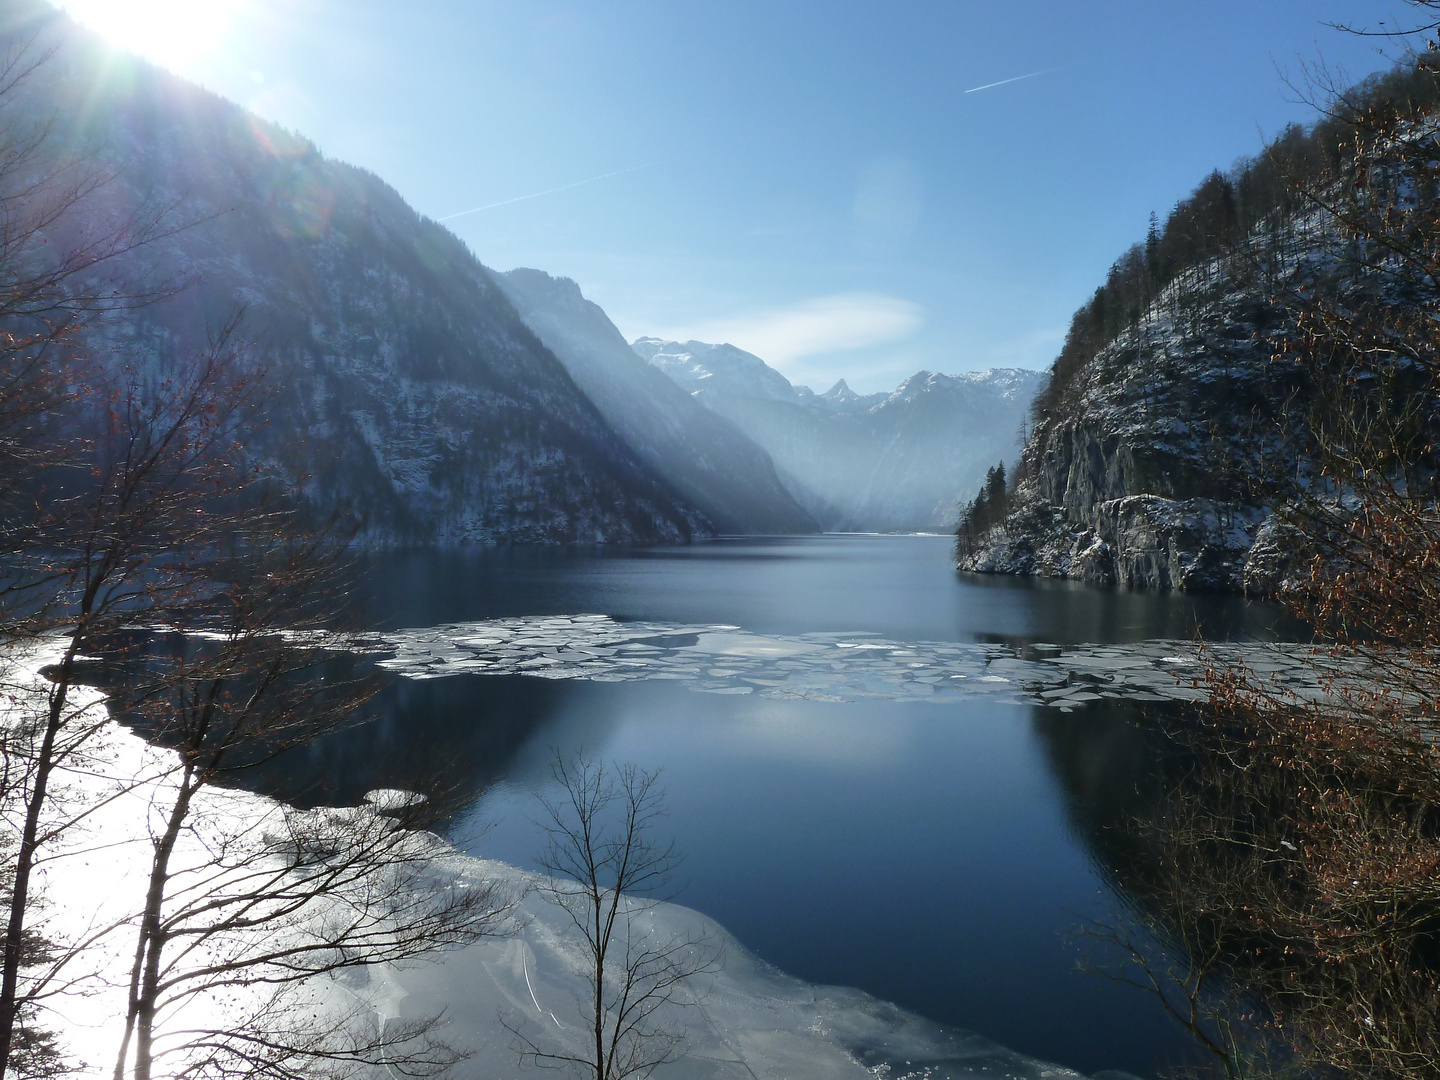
point(893, 778)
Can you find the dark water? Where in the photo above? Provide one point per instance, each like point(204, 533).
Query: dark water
point(939, 856)
point(900, 586)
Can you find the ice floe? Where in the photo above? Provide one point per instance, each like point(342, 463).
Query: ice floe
point(832, 667)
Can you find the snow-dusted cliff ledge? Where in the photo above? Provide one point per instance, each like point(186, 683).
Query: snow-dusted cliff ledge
point(1139, 541)
point(1139, 482)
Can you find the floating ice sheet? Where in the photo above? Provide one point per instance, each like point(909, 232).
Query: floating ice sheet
point(831, 667)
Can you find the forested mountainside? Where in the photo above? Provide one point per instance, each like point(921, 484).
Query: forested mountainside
point(1177, 430)
point(406, 384)
point(875, 462)
point(713, 465)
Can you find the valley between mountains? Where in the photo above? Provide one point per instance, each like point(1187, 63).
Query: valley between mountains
point(442, 402)
point(406, 672)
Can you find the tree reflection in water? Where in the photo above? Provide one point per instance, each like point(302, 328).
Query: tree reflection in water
point(1279, 878)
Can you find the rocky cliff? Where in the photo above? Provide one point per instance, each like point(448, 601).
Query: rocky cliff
point(1141, 476)
point(1250, 374)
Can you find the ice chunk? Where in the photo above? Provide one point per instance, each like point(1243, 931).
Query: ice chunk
point(824, 666)
point(388, 800)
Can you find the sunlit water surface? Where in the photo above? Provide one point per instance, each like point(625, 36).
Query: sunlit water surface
point(942, 856)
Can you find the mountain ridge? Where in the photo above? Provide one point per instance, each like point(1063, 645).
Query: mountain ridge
point(896, 461)
point(715, 466)
point(408, 387)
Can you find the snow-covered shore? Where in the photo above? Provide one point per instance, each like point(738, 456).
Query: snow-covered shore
point(744, 1020)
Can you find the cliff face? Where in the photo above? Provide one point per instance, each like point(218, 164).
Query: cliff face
point(404, 381)
point(1252, 388)
point(1141, 478)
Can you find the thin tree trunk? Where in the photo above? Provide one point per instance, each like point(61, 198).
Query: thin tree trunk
point(135, 968)
point(599, 991)
point(145, 972)
point(10, 1003)
point(141, 1014)
point(24, 864)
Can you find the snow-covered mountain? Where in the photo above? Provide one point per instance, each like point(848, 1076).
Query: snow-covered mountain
point(405, 382)
point(713, 465)
point(901, 460)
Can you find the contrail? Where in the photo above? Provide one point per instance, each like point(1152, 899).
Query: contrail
point(551, 191)
point(1002, 82)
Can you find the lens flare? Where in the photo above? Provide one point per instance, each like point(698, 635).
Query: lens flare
point(172, 33)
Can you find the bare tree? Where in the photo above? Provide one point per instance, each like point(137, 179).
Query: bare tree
point(266, 909)
point(172, 562)
point(1281, 898)
point(124, 547)
point(606, 871)
point(57, 245)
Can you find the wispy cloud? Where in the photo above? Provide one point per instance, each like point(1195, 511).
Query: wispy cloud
point(823, 325)
point(549, 191)
point(1006, 82)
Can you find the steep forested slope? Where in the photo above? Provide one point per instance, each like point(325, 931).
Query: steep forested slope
point(699, 453)
point(405, 383)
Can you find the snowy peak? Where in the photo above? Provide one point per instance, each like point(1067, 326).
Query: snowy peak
point(1012, 383)
point(840, 398)
point(1007, 384)
point(898, 460)
point(700, 367)
point(922, 382)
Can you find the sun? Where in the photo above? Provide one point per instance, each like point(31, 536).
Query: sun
point(172, 33)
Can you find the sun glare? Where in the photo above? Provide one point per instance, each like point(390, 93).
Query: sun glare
point(173, 33)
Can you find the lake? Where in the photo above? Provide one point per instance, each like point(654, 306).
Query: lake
point(943, 855)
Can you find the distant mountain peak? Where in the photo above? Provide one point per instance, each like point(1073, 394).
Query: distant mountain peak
point(743, 374)
point(919, 383)
point(898, 460)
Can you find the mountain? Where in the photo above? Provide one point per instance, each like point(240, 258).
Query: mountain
point(1126, 487)
point(1249, 374)
point(704, 457)
point(406, 383)
point(872, 462)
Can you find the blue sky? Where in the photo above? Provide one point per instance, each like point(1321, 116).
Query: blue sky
point(808, 180)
